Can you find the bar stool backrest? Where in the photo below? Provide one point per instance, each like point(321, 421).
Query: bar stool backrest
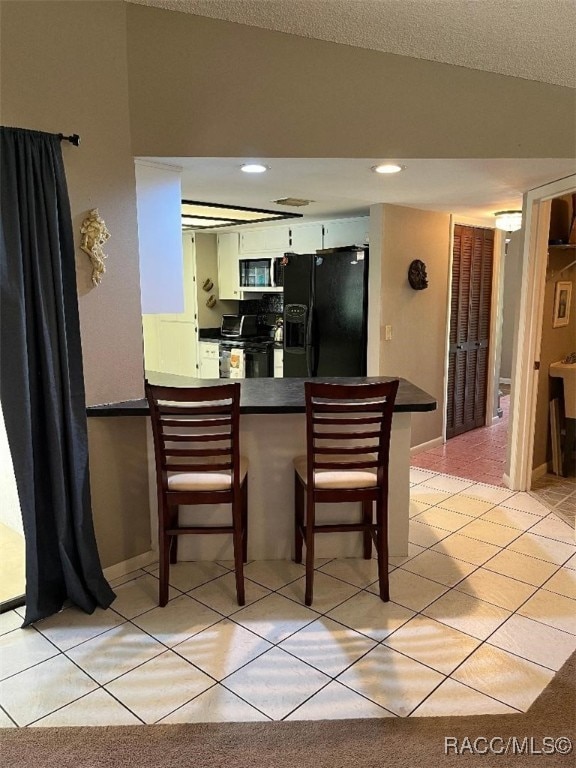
point(196, 429)
point(348, 427)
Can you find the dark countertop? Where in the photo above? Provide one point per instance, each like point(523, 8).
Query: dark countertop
point(267, 395)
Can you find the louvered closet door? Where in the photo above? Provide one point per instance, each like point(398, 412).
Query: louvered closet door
point(472, 264)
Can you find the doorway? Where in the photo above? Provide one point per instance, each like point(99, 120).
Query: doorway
point(477, 401)
point(12, 545)
point(527, 346)
point(470, 309)
point(553, 479)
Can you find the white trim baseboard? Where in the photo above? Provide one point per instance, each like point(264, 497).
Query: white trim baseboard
point(127, 566)
point(540, 471)
point(426, 446)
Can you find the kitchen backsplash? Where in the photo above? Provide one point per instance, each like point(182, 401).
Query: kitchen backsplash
point(268, 308)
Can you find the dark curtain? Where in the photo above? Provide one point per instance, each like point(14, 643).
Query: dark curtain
point(41, 377)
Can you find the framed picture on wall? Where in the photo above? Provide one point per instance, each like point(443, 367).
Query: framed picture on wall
point(562, 299)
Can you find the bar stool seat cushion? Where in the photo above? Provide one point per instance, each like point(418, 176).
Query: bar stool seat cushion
point(206, 481)
point(328, 478)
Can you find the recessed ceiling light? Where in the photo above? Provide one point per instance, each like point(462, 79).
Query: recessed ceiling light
point(388, 168)
point(254, 168)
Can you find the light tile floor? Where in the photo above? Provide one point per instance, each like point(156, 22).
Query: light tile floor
point(12, 579)
point(483, 613)
point(558, 494)
point(479, 454)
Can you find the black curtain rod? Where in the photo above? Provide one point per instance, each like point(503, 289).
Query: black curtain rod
point(73, 139)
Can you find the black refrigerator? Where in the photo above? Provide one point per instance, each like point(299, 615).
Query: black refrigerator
point(325, 313)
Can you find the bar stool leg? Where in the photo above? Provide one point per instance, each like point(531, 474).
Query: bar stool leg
point(174, 539)
point(238, 549)
point(310, 523)
point(245, 520)
point(382, 548)
point(163, 552)
point(298, 518)
point(367, 521)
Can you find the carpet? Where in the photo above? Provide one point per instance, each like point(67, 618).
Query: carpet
point(394, 742)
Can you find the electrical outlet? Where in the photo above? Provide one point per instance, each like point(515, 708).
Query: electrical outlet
point(388, 332)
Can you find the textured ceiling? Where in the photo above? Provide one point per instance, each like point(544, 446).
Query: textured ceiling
point(533, 39)
point(341, 187)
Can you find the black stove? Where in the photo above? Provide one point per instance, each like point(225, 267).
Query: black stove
point(261, 342)
point(257, 356)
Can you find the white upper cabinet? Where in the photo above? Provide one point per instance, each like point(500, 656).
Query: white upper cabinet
point(346, 232)
point(228, 265)
point(271, 242)
point(268, 239)
point(305, 238)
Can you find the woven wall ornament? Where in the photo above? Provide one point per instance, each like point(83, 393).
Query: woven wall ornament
point(417, 276)
point(94, 234)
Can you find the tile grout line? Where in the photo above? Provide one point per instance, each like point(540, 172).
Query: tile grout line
point(447, 588)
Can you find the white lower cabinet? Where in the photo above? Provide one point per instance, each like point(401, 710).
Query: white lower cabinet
point(209, 359)
point(176, 344)
point(278, 363)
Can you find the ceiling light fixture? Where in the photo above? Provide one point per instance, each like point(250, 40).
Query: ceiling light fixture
point(508, 221)
point(197, 215)
point(388, 168)
point(254, 168)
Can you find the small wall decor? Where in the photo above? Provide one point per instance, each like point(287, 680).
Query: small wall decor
point(562, 298)
point(208, 285)
point(211, 301)
point(417, 276)
point(94, 234)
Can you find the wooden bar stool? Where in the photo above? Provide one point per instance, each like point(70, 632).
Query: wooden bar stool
point(348, 447)
point(196, 446)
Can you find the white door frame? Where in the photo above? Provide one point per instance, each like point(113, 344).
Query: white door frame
point(191, 295)
point(523, 395)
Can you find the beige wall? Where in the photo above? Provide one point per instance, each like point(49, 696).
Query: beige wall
point(120, 491)
point(205, 87)
point(207, 267)
point(418, 318)
point(64, 69)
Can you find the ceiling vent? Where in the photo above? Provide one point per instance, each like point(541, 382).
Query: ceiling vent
point(295, 202)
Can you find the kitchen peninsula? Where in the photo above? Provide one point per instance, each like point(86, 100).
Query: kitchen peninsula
point(272, 433)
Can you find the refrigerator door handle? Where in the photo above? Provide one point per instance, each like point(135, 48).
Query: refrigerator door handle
point(309, 345)
point(310, 340)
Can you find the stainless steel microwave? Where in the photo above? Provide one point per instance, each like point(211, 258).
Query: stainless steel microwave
point(238, 326)
point(255, 273)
